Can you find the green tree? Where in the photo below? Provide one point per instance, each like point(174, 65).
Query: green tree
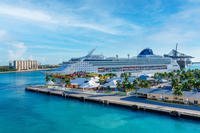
point(197, 84)
point(174, 82)
point(119, 85)
point(67, 81)
point(177, 90)
point(48, 77)
point(191, 83)
point(144, 84)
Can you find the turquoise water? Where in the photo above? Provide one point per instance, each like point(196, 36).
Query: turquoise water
point(194, 66)
point(28, 112)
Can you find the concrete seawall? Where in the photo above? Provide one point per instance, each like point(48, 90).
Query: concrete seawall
point(119, 101)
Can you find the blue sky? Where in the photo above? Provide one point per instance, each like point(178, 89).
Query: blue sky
point(52, 31)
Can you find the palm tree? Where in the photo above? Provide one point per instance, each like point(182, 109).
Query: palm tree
point(127, 86)
point(197, 84)
point(178, 90)
point(133, 86)
point(110, 75)
point(165, 75)
point(171, 74)
point(136, 83)
point(67, 81)
point(174, 82)
point(102, 79)
point(119, 85)
point(186, 86)
point(143, 84)
point(53, 78)
point(48, 77)
point(191, 83)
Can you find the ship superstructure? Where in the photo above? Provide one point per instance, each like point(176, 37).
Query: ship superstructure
point(145, 62)
point(182, 59)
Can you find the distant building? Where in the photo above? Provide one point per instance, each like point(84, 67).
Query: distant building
point(10, 64)
point(25, 65)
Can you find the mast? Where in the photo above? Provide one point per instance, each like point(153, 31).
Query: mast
point(176, 50)
point(90, 53)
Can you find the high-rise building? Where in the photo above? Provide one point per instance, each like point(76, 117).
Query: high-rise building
point(20, 65)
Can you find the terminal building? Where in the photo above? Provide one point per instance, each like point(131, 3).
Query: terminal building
point(21, 65)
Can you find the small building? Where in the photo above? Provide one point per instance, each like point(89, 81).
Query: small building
point(191, 97)
point(75, 83)
point(143, 92)
point(91, 84)
point(166, 94)
point(114, 78)
point(143, 77)
point(112, 84)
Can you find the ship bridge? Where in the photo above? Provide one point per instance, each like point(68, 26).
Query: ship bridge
point(146, 52)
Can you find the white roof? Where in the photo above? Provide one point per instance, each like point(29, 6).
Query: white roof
point(78, 81)
point(164, 80)
point(90, 84)
point(114, 78)
point(95, 79)
point(50, 82)
point(111, 84)
point(130, 79)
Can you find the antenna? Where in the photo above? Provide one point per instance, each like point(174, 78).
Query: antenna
point(90, 53)
point(176, 46)
point(128, 56)
point(117, 56)
point(176, 50)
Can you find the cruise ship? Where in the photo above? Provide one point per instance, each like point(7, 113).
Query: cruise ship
point(145, 63)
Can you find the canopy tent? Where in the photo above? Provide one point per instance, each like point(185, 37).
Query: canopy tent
point(78, 81)
point(50, 82)
point(95, 79)
point(111, 84)
point(114, 78)
point(90, 84)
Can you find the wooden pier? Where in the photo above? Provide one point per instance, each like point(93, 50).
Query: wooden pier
point(119, 101)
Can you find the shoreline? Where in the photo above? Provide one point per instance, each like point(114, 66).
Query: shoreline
point(121, 102)
point(25, 71)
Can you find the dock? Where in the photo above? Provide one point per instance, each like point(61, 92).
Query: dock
point(119, 101)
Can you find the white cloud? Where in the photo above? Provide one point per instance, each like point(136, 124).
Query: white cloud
point(54, 48)
point(24, 13)
point(17, 51)
point(182, 27)
point(2, 34)
point(194, 1)
point(102, 23)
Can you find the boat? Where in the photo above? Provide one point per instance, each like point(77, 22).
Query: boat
point(145, 63)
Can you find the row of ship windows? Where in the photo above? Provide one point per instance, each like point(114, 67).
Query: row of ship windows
point(111, 69)
point(140, 59)
point(126, 63)
point(86, 69)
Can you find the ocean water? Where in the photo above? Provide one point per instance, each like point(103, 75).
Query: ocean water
point(194, 66)
point(28, 112)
